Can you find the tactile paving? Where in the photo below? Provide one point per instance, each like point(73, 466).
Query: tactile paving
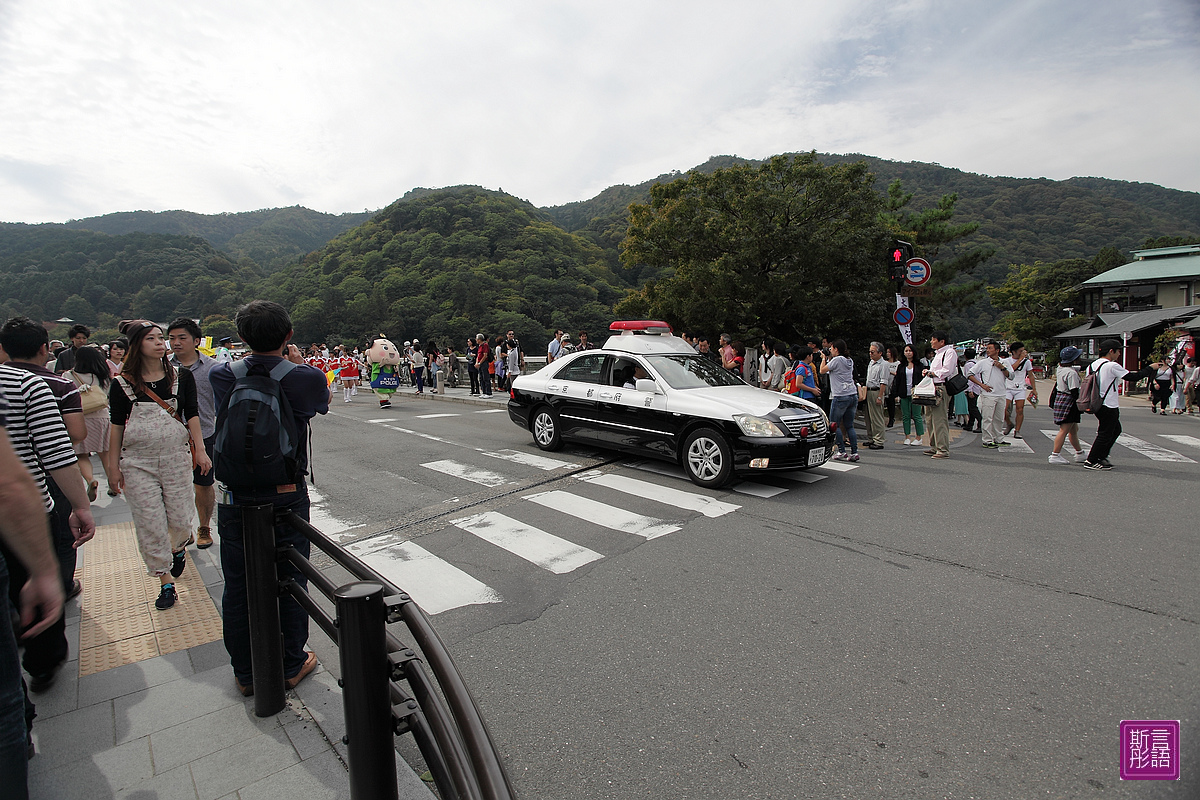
point(118, 621)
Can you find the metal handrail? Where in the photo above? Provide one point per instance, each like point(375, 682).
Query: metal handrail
point(450, 731)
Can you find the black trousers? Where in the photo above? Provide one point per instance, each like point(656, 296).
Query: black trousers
point(1106, 436)
point(974, 418)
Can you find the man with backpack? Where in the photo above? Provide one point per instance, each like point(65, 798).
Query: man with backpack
point(274, 375)
point(1099, 396)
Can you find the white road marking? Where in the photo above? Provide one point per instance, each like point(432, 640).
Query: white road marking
point(492, 411)
point(528, 459)
point(837, 466)
point(1017, 445)
point(429, 436)
point(322, 520)
point(377, 421)
point(617, 519)
point(806, 476)
point(691, 501)
point(532, 544)
point(1067, 444)
point(1190, 441)
point(434, 416)
point(467, 472)
point(757, 489)
point(1152, 451)
point(435, 584)
point(660, 468)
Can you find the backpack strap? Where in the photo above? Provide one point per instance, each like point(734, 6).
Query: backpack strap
point(282, 368)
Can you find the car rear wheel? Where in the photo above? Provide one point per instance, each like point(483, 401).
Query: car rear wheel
point(707, 458)
point(545, 429)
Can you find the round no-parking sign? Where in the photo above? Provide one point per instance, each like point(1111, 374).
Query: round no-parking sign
point(903, 316)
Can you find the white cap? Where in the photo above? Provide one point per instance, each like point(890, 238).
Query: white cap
point(408, 344)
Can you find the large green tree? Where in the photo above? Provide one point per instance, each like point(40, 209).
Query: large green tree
point(788, 248)
point(1034, 298)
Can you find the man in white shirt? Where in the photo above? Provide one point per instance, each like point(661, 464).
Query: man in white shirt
point(877, 380)
point(944, 365)
point(554, 349)
point(1108, 415)
point(987, 379)
point(1020, 366)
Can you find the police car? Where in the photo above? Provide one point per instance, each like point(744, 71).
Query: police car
point(648, 393)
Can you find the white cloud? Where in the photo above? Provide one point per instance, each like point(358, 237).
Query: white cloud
point(225, 107)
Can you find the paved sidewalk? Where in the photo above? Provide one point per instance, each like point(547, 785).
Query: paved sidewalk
point(172, 725)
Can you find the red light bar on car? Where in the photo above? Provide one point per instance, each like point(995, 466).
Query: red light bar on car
point(640, 326)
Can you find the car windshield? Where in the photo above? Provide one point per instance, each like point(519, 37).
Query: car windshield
point(692, 372)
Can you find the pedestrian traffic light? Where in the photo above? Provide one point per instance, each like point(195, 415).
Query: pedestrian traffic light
point(899, 255)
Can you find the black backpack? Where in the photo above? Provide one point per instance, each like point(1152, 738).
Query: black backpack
point(257, 444)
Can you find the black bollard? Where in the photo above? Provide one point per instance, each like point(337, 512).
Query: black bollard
point(262, 600)
point(366, 695)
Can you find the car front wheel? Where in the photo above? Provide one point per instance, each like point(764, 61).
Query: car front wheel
point(545, 429)
point(707, 458)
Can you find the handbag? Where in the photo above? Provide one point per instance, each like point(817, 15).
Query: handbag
point(862, 393)
point(955, 384)
point(91, 396)
point(925, 392)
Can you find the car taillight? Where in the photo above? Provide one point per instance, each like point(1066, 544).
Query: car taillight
point(512, 393)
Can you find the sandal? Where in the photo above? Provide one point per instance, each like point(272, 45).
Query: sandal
point(92, 489)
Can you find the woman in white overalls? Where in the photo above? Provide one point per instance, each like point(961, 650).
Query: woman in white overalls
point(154, 412)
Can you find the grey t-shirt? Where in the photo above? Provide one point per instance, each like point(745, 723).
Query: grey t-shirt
point(204, 392)
point(841, 377)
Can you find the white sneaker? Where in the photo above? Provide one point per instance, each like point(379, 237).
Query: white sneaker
point(1057, 458)
point(1080, 456)
point(907, 440)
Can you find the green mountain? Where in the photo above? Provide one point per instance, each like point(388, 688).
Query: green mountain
point(445, 265)
point(47, 271)
point(270, 237)
point(1024, 219)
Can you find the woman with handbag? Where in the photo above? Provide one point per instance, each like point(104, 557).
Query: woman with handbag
point(1062, 402)
point(844, 393)
point(91, 374)
point(908, 375)
point(154, 413)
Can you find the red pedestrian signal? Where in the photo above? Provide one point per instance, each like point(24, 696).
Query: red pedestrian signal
point(898, 264)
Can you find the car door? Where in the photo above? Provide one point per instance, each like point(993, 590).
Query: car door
point(634, 420)
point(572, 392)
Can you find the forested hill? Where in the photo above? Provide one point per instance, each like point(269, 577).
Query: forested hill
point(1024, 219)
point(270, 237)
point(47, 272)
point(445, 265)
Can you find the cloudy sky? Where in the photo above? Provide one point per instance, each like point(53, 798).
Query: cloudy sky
point(231, 106)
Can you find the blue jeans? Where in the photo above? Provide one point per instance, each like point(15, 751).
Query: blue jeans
point(842, 411)
point(14, 766)
point(293, 619)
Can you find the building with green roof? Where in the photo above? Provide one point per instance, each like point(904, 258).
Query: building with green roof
point(1165, 277)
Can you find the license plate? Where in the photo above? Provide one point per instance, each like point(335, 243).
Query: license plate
point(816, 457)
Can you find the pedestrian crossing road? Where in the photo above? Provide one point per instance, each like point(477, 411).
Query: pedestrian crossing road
point(604, 506)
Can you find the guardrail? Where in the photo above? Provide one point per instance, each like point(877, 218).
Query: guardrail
point(449, 732)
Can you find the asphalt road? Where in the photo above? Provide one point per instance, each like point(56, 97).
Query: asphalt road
point(970, 627)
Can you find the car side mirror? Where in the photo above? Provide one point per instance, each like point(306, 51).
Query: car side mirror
point(646, 385)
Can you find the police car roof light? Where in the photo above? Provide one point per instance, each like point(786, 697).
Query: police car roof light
point(640, 326)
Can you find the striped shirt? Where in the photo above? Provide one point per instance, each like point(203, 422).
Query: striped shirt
point(35, 426)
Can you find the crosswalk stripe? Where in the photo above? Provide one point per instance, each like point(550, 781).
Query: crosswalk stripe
point(1190, 441)
point(492, 411)
point(691, 501)
point(1067, 444)
point(757, 489)
point(837, 466)
point(321, 519)
point(532, 544)
point(377, 421)
point(467, 472)
point(529, 459)
point(435, 584)
point(617, 519)
point(806, 476)
point(434, 416)
point(660, 468)
point(1152, 451)
point(1017, 445)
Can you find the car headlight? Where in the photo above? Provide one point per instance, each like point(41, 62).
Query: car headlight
point(756, 426)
